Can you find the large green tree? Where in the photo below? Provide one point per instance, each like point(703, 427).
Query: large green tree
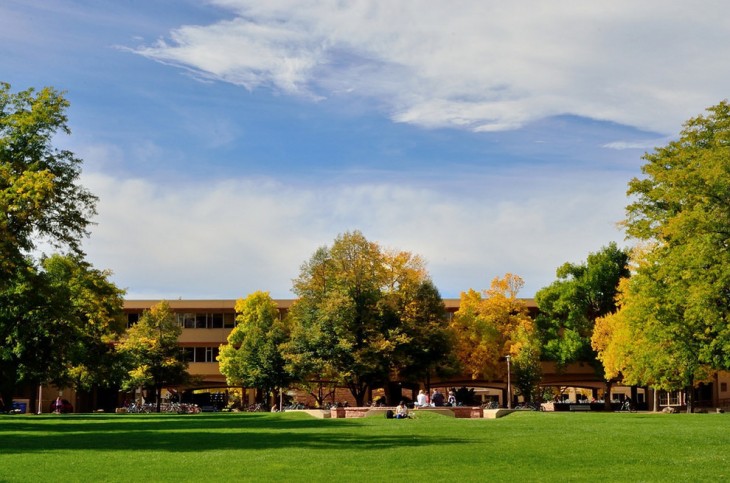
point(40, 199)
point(90, 309)
point(58, 322)
point(253, 357)
point(348, 322)
point(635, 345)
point(40, 194)
point(424, 322)
point(570, 306)
point(681, 212)
point(154, 358)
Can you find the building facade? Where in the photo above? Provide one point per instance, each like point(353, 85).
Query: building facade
point(207, 323)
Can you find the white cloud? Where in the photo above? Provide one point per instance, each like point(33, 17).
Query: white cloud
point(646, 144)
point(228, 238)
point(473, 64)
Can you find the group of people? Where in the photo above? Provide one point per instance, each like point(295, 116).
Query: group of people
point(437, 399)
point(422, 401)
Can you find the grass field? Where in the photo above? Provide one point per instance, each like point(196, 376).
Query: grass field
point(525, 446)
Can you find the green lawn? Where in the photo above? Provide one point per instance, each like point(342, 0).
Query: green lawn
point(526, 446)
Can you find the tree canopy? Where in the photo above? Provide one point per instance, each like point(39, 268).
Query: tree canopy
point(153, 357)
point(354, 315)
point(252, 356)
point(676, 304)
point(40, 196)
point(56, 311)
point(493, 324)
point(58, 323)
point(569, 306)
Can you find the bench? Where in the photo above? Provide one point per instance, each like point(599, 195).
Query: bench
point(580, 407)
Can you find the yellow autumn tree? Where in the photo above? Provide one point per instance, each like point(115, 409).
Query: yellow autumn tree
point(491, 324)
point(636, 346)
point(612, 338)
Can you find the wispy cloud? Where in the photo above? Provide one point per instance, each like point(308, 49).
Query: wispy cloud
point(476, 65)
point(645, 144)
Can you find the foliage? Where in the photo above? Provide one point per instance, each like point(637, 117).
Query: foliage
point(679, 298)
point(570, 305)
point(526, 368)
point(356, 316)
point(153, 356)
point(91, 309)
point(58, 322)
point(683, 205)
point(637, 346)
point(467, 396)
point(423, 321)
point(43, 333)
point(39, 191)
point(252, 356)
point(490, 327)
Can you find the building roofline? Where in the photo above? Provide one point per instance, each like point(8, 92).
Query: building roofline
point(230, 304)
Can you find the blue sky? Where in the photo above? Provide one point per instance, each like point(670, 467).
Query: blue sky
point(228, 139)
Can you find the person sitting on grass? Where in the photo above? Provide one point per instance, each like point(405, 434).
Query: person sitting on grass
point(422, 399)
point(401, 412)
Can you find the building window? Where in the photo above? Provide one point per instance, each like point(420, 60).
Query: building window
point(216, 321)
point(189, 354)
point(229, 321)
point(723, 386)
point(211, 354)
point(200, 354)
point(132, 319)
point(669, 398)
point(187, 321)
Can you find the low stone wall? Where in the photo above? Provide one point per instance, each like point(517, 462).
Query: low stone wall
point(317, 413)
point(497, 413)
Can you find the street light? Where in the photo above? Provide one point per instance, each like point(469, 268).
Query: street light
point(509, 384)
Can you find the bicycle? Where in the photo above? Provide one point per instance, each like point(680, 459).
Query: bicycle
point(135, 408)
point(627, 407)
point(530, 406)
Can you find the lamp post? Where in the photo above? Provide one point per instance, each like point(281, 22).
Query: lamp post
point(509, 384)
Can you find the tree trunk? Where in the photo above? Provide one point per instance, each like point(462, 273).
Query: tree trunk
point(8, 376)
point(358, 392)
point(607, 397)
point(158, 396)
point(689, 395)
point(7, 398)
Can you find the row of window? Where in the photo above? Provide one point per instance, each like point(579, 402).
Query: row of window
point(200, 354)
point(195, 320)
point(206, 321)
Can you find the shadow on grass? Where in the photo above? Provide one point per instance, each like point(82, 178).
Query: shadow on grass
point(196, 433)
point(154, 422)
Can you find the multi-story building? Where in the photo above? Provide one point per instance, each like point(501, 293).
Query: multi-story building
point(207, 323)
